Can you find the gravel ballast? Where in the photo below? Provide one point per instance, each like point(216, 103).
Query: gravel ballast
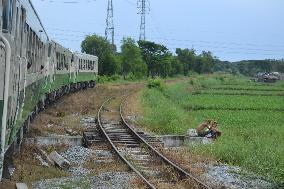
point(111, 180)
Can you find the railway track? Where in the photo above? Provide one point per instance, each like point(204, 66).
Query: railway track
point(137, 151)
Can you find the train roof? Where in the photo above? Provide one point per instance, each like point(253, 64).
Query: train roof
point(79, 54)
point(28, 5)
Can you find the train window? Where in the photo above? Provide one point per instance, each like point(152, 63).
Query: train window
point(61, 62)
point(65, 64)
point(58, 61)
point(72, 58)
point(49, 50)
point(93, 65)
point(17, 25)
point(29, 59)
point(7, 15)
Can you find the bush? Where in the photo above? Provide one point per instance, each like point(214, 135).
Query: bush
point(114, 77)
point(191, 82)
point(102, 79)
point(131, 77)
point(156, 84)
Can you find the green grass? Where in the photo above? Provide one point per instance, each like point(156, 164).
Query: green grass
point(240, 92)
point(237, 102)
point(249, 87)
point(252, 126)
point(161, 115)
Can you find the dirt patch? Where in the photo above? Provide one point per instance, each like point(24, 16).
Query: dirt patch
point(67, 113)
point(29, 169)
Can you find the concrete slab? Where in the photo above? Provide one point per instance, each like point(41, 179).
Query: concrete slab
point(171, 141)
point(55, 140)
point(21, 186)
point(59, 160)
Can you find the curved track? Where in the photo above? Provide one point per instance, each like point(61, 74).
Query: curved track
point(150, 165)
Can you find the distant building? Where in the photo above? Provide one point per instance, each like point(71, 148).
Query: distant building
point(268, 77)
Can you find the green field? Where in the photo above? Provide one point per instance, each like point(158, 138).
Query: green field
point(252, 123)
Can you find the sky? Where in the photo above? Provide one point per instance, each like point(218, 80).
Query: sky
point(232, 29)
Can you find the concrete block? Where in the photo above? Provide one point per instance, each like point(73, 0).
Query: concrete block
point(172, 140)
point(21, 186)
point(46, 157)
point(192, 133)
point(55, 140)
point(192, 141)
point(59, 160)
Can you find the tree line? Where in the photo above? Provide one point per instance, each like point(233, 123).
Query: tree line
point(149, 59)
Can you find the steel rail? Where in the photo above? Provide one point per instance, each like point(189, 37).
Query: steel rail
point(181, 172)
point(166, 160)
point(116, 150)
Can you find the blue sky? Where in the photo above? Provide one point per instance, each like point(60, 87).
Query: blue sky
point(232, 29)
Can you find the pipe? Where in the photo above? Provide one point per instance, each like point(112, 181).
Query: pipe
point(6, 97)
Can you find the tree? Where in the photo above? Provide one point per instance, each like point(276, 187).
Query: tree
point(187, 58)
point(157, 58)
point(99, 46)
point(131, 59)
point(177, 66)
point(207, 62)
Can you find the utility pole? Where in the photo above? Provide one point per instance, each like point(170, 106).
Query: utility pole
point(142, 12)
point(109, 33)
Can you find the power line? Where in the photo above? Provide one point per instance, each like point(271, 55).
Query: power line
point(186, 40)
point(67, 2)
point(179, 43)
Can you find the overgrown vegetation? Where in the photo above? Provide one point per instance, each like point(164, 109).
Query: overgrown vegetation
point(156, 84)
point(253, 126)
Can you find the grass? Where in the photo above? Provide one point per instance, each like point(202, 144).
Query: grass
point(161, 115)
point(237, 102)
point(239, 92)
point(252, 125)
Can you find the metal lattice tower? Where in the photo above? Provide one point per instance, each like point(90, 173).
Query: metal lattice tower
point(109, 33)
point(142, 7)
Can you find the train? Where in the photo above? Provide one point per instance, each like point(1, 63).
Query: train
point(35, 71)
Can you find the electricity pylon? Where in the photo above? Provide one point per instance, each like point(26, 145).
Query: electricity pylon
point(109, 33)
point(142, 12)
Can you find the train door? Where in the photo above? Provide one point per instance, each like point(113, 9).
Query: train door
point(16, 67)
point(23, 65)
point(5, 55)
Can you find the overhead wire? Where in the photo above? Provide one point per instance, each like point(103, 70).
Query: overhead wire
point(173, 43)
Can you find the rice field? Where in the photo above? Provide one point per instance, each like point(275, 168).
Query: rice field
point(250, 115)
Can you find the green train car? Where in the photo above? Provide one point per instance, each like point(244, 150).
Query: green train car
point(34, 72)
